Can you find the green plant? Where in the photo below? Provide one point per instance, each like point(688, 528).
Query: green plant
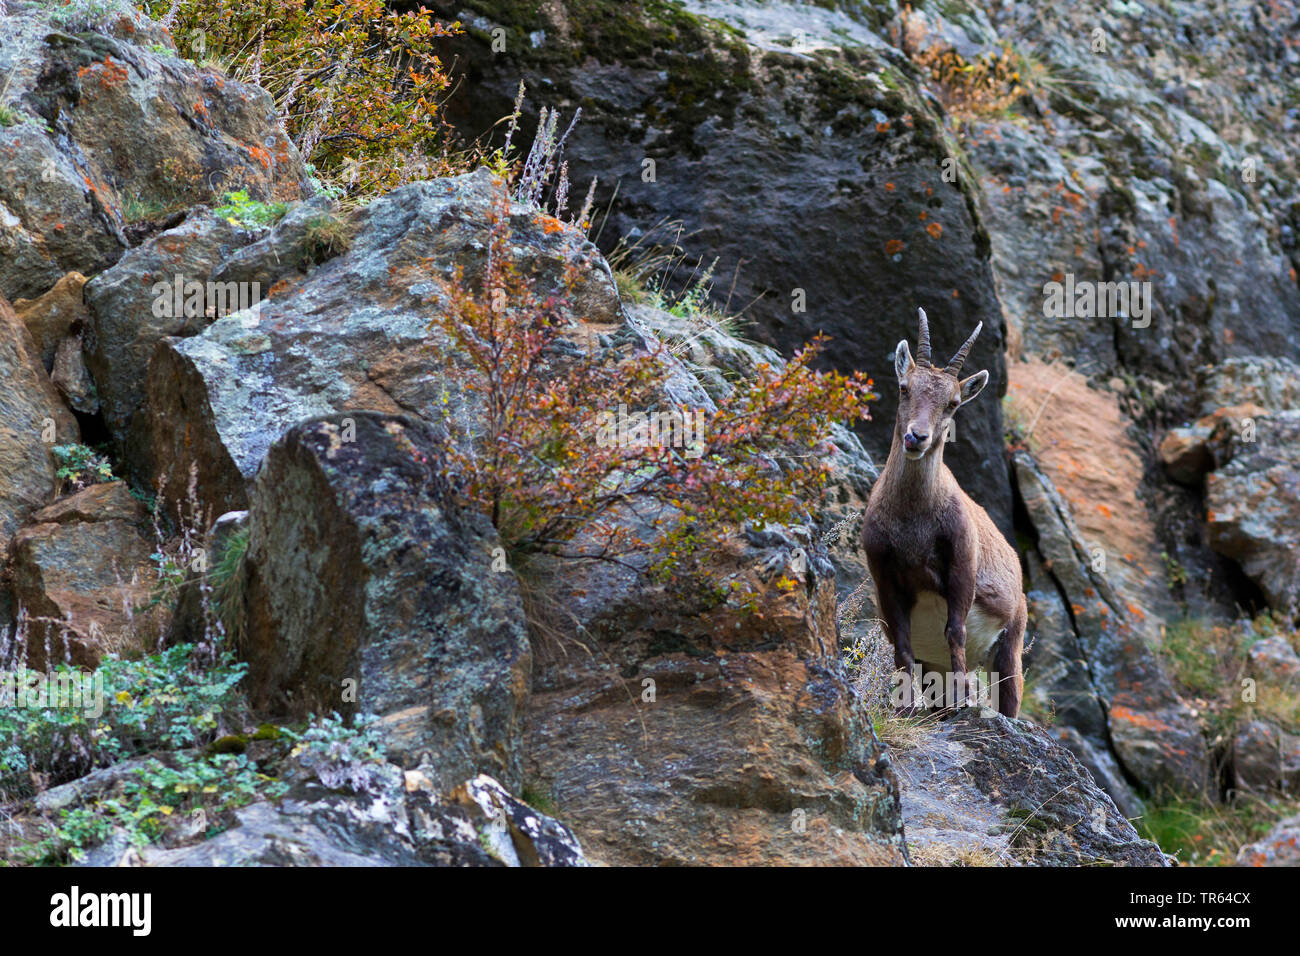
point(163, 701)
point(226, 580)
point(1204, 657)
point(1174, 570)
point(244, 211)
point(1204, 834)
point(342, 756)
point(173, 570)
point(539, 797)
point(326, 236)
point(80, 467)
point(185, 788)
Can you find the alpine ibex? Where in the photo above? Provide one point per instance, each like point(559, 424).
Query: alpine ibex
point(948, 584)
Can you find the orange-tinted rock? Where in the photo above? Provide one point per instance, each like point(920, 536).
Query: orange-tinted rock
point(50, 317)
point(32, 420)
point(83, 580)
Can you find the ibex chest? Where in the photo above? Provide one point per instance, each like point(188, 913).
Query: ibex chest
point(917, 551)
point(929, 618)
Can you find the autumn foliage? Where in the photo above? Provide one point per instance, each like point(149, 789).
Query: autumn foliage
point(357, 86)
point(532, 455)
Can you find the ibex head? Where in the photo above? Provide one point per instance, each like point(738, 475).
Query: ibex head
point(928, 396)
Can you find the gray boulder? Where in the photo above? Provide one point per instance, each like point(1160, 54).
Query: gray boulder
point(369, 590)
point(986, 790)
point(115, 134)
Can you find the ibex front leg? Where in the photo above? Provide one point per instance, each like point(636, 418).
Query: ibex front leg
point(896, 610)
point(959, 592)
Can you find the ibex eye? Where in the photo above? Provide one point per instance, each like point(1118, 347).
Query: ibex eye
point(902, 390)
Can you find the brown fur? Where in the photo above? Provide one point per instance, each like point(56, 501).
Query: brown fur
point(923, 533)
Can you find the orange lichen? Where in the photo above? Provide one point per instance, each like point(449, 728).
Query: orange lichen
point(1120, 712)
point(260, 155)
point(110, 73)
point(893, 247)
point(550, 225)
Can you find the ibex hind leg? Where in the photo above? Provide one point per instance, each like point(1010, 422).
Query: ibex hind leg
point(1006, 665)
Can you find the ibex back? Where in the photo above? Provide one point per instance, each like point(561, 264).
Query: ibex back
point(948, 584)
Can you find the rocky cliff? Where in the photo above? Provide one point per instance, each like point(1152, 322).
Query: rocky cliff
point(251, 516)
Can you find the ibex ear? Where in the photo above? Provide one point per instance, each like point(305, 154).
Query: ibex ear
point(970, 387)
point(903, 360)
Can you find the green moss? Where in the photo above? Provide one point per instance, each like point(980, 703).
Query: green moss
point(539, 797)
point(266, 732)
point(229, 744)
point(705, 64)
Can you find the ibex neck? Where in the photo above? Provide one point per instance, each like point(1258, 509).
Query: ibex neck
point(915, 482)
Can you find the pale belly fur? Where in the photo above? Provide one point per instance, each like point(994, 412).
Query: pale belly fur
point(930, 615)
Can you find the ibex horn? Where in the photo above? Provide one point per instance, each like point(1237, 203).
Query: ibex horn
point(955, 363)
point(923, 343)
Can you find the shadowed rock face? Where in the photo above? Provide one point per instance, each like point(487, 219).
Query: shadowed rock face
point(117, 134)
point(815, 177)
point(369, 591)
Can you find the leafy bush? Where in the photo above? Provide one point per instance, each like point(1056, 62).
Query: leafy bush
point(185, 790)
point(244, 211)
point(80, 467)
point(988, 85)
point(341, 756)
point(163, 701)
point(531, 460)
point(356, 85)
